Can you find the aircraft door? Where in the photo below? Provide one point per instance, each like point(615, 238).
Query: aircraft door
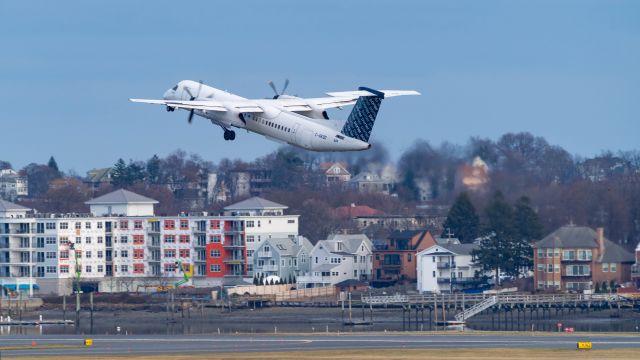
point(303, 136)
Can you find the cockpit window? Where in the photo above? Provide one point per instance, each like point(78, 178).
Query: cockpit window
point(174, 88)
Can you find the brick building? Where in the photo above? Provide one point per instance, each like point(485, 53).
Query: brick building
point(395, 259)
point(577, 258)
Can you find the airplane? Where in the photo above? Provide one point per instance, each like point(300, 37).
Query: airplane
point(301, 122)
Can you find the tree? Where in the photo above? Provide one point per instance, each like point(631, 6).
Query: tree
point(527, 229)
point(5, 165)
point(255, 280)
point(496, 248)
point(39, 177)
point(53, 164)
point(462, 220)
point(119, 174)
point(153, 170)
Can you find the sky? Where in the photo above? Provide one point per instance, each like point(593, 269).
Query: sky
point(565, 70)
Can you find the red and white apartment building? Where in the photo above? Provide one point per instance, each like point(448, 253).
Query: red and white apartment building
point(121, 245)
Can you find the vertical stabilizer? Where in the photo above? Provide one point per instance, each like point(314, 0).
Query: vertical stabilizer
point(363, 116)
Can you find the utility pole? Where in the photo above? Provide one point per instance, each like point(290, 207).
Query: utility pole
point(77, 283)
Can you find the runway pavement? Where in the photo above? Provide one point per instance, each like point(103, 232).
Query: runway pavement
point(154, 344)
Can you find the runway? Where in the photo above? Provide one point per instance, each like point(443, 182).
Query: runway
point(154, 344)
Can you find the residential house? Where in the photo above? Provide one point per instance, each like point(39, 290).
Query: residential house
point(286, 258)
point(370, 182)
point(395, 260)
point(97, 177)
point(635, 269)
point(12, 184)
point(335, 173)
point(339, 258)
point(577, 258)
point(448, 266)
point(474, 176)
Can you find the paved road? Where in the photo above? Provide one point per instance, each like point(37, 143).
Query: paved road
point(154, 344)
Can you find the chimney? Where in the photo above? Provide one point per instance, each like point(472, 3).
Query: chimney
point(600, 239)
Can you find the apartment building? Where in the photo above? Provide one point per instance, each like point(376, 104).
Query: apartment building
point(121, 244)
point(635, 268)
point(577, 258)
point(339, 258)
point(395, 259)
point(448, 266)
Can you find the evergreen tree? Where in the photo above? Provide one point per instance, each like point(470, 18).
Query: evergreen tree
point(135, 172)
point(119, 174)
point(496, 248)
point(255, 280)
point(53, 164)
point(527, 229)
point(597, 290)
point(462, 220)
point(153, 170)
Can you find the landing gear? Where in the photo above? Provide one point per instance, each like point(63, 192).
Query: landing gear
point(170, 109)
point(229, 134)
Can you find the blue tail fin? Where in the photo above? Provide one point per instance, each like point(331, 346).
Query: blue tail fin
point(360, 121)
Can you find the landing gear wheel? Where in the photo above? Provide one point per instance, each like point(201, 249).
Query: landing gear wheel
point(229, 134)
point(170, 109)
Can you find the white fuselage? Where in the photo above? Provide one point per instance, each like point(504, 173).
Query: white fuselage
point(273, 122)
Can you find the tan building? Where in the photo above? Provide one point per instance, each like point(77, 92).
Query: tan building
point(577, 258)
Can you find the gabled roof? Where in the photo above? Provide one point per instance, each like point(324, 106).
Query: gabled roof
point(121, 197)
point(254, 203)
point(615, 253)
point(356, 210)
point(456, 249)
point(284, 246)
point(9, 206)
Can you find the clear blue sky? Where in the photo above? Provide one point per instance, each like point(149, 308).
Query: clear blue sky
point(565, 70)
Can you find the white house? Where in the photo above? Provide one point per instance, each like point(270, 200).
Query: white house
point(282, 257)
point(11, 210)
point(447, 266)
point(122, 202)
point(342, 257)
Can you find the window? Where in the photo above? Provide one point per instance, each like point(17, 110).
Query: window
point(169, 225)
point(138, 239)
point(214, 253)
point(578, 270)
point(605, 267)
point(185, 253)
point(50, 240)
point(584, 255)
point(87, 240)
point(51, 269)
point(169, 253)
point(87, 254)
point(87, 268)
point(51, 226)
point(568, 255)
point(124, 239)
point(51, 254)
point(613, 267)
point(78, 226)
point(250, 253)
point(250, 238)
point(78, 240)
point(64, 269)
point(291, 221)
point(100, 239)
point(409, 257)
point(556, 252)
point(214, 268)
point(124, 224)
point(137, 224)
point(251, 223)
point(124, 268)
point(169, 239)
point(100, 268)
point(549, 253)
point(170, 267)
point(138, 268)
point(550, 268)
point(100, 254)
point(64, 226)
point(214, 224)
point(184, 239)
point(541, 267)
point(64, 255)
point(556, 268)
point(138, 254)
point(87, 225)
point(99, 225)
point(184, 224)
point(541, 253)
point(124, 253)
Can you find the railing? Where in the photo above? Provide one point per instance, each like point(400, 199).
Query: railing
point(234, 260)
point(237, 244)
point(266, 268)
point(445, 265)
point(502, 298)
point(475, 309)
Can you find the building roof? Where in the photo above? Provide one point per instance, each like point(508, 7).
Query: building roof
point(9, 206)
point(121, 197)
point(460, 249)
point(99, 175)
point(284, 246)
point(571, 236)
point(356, 211)
point(254, 203)
point(405, 234)
point(351, 282)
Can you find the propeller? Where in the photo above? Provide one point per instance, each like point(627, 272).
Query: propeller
point(190, 118)
point(275, 90)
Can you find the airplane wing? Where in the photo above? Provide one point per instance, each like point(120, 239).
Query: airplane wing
point(335, 99)
point(208, 105)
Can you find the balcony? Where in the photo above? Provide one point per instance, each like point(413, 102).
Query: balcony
point(266, 268)
point(199, 229)
point(234, 244)
point(264, 254)
point(567, 274)
point(233, 260)
point(445, 265)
